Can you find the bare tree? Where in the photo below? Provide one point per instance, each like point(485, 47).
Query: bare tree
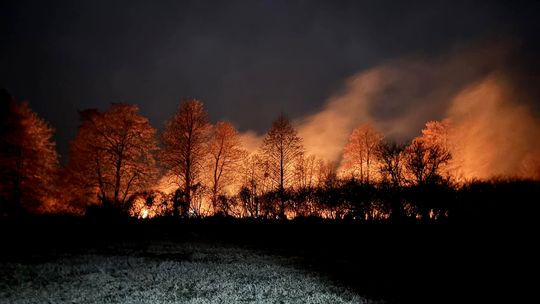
point(225, 149)
point(437, 135)
point(28, 157)
point(359, 155)
point(391, 157)
point(255, 182)
point(424, 161)
point(113, 154)
point(325, 171)
point(282, 147)
point(185, 140)
point(305, 172)
point(306, 180)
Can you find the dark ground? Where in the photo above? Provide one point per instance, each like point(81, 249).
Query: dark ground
point(398, 263)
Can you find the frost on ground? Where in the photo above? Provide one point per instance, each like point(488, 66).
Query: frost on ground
point(167, 273)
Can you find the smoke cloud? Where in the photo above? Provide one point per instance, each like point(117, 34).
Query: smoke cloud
point(494, 132)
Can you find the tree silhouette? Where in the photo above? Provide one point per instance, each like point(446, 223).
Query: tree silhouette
point(185, 140)
point(309, 174)
point(329, 195)
point(437, 134)
point(225, 151)
point(391, 157)
point(113, 154)
point(305, 172)
point(250, 201)
point(424, 161)
point(282, 147)
point(254, 182)
point(359, 155)
point(28, 157)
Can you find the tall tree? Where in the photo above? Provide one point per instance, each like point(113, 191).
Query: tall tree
point(185, 140)
point(282, 147)
point(225, 149)
point(113, 154)
point(28, 157)
point(359, 155)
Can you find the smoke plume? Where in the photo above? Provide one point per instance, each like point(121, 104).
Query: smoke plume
point(492, 133)
point(493, 130)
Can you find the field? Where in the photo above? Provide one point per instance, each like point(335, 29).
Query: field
point(59, 260)
point(167, 273)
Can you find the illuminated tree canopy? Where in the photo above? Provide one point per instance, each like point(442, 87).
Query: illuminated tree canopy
point(359, 155)
point(282, 148)
point(114, 154)
point(28, 157)
point(185, 139)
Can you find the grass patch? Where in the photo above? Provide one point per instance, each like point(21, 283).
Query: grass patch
point(166, 272)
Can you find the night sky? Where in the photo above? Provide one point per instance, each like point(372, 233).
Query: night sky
point(246, 60)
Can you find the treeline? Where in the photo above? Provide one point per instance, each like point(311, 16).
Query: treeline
point(119, 163)
point(497, 200)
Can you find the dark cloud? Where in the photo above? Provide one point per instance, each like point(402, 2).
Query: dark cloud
point(247, 60)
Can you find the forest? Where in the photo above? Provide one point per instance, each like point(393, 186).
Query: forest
point(133, 207)
point(118, 164)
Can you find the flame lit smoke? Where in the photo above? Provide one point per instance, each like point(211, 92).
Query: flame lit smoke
point(493, 132)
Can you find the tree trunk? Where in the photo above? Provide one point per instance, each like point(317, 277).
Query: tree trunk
point(187, 192)
point(281, 186)
point(117, 182)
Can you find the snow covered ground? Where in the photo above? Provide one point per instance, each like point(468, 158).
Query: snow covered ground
point(167, 273)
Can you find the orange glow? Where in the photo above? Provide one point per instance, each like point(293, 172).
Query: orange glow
point(491, 135)
point(492, 132)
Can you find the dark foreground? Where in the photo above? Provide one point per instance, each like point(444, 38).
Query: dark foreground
point(396, 263)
